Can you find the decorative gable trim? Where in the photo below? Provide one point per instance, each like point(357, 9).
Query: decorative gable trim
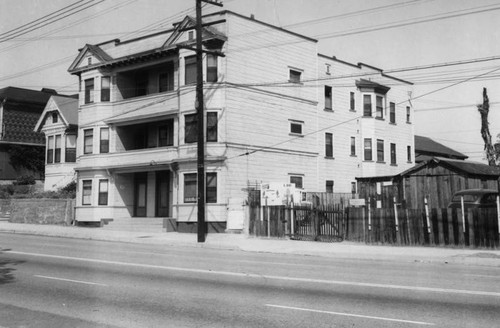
point(98, 56)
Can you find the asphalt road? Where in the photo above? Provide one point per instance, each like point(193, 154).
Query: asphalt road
point(58, 282)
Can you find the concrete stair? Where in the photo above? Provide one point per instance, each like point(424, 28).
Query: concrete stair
point(135, 224)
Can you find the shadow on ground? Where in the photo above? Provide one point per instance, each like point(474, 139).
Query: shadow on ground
point(7, 268)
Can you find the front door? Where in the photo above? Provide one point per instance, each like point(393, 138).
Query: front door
point(162, 193)
point(140, 201)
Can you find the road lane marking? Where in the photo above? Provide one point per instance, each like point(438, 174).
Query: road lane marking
point(482, 275)
point(71, 280)
point(351, 315)
point(260, 276)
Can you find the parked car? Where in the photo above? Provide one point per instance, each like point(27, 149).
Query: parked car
point(475, 198)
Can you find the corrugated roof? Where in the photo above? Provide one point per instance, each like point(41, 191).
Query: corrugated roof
point(427, 146)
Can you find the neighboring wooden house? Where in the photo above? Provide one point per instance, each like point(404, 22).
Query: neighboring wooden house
point(436, 180)
point(426, 148)
point(273, 114)
point(20, 110)
point(59, 124)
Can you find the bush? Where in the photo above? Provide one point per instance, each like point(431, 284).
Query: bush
point(25, 180)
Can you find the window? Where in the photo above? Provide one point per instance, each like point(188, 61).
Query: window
point(380, 107)
point(103, 192)
point(212, 126)
point(88, 140)
point(190, 128)
point(392, 113)
point(166, 134)
point(166, 81)
point(353, 146)
point(352, 101)
point(190, 188)
point(380, 150)
point(141, 84)
point(55, 117)
point(190, 35)
point(212, 68)
point(393, 154)
point(328, 145)
point(190, 70)
point(297, 180)
point(408, 117)
point(295, 76)
point(105, 88)
point(353, 187)
point(368, 149)
point(328, 97)
point(296, 127)
point(70, 153)
point(89, 91)
point(408, 153)
point(50, 150)
point(328, 66)
point(86, 192)
point(89, 60)
point(211, 188)
point(329, 186)
point(104, 141)
point(57, 152)
point(367, 105)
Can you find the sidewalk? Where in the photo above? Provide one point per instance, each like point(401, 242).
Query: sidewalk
point(344, 250)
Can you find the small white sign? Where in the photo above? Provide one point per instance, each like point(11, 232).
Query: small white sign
point(357, 202)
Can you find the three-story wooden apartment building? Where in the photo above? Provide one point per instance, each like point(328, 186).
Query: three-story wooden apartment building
point(275, 111)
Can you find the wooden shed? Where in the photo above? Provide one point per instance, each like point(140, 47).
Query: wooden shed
point(436, 180)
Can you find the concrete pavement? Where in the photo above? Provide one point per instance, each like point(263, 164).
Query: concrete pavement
point(343, 250)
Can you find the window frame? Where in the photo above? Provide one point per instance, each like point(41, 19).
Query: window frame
point(379, 106)
point(192, 178)
point(393, 154)
point(294, 125)
point(329, 184)
point(392, 112)
point(294, 178)
point(86, 192)
point(212, 68)
point(57, 150)
point(70, 152)
point(190, 128)
point(294, 75)
point(168, 140)
point(328, 97)
point(353, 146)
point(190, 70)
point(368, 149)
point(212, 126)
point(103, 142)
point(103, 195)
point(211, 187)
point(380, 151)
point(88, 141)
point(55, 117)
point(408, 154)
point(328, 145)
point(89, 97)
point(352, 101)
point(50, 149)
point(106, 89)
point(367, 105)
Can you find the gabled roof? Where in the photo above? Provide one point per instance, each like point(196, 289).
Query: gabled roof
point(26, 95)
point(426, 148)
point(67, 106)
point(459, 166)
point(377, 87)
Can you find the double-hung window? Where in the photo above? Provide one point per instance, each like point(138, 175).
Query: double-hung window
point(367, 105)
point(191, 187)
point(380, 150)
point(88, 141)
point(212, 120)
point(105, 88)
point(50, 150)
point(190, 70)
point(329, 186)
point(352, 101)
point(57, 149)
point(393, 154)
point(89, 91)
point(70, 151)
point(408, 153)
point(353, 146)
point(86, 192)
point(211, 188)
point(368, 149)
point(392, 113)
point(328, 97)
point(190, 128)
point(104, 141)
point(166, 134)
point(380, 107)
point(103, 192)
point(329, 145)
point(212, 68)
point(297, 180)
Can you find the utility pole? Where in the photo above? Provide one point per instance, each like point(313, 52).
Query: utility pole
point(484, 109)
point(202, 226)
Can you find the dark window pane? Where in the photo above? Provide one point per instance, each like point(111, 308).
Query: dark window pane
point(211, 68)
point(103, 192)
point(297, 181)
point(105, 88)
point(191, 128)
point(380, 150)
point(190, 188)
point(88, 139)
point(212, 126)
point(296, 128)
point(295, 76)
point(328, 145)
point(392, 108)
point(328, 97)
point(352, 101)
point(86, 192)
point(211, 193)
point(89, 91)
point(190, 70)
point(367, 105)
point(380, 107)
point(368, 149)
point(166, 134)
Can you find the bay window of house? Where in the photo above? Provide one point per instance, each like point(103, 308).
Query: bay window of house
point(88, 140)
point(104, 141)
point(103, 192)
point(329, 145)
point(294, 76)
point(393, 154)
point(352, 101)
point(105, 88)
point(86, 192)
point(297, 180)
point(190, 128)
point(367, 105)
point(190, 70)
point(89, 91)
point(368, 149)
point(329, 186)
point(408, 153)
point(166, 134)
point(380, 107)
point(70, 150)
point(353, 146)
point(50, 150)
point(212, 121)
point(392, 113)
point(212, 72)
point(211, 188)
point(408, 117)
point(141, 83)
point(380, 150)
point(328, 97)
point(57, 149)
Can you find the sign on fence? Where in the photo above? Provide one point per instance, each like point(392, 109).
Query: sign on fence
point(279, 194)
point(357, 202)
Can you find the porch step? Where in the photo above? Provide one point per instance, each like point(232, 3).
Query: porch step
point(135, 224)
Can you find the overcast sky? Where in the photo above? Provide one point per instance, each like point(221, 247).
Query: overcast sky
point(394, 35)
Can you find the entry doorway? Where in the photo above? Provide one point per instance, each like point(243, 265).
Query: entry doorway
point(162, 193)
point(140, 197)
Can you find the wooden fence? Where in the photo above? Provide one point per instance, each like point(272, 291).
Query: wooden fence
point(437, 227)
